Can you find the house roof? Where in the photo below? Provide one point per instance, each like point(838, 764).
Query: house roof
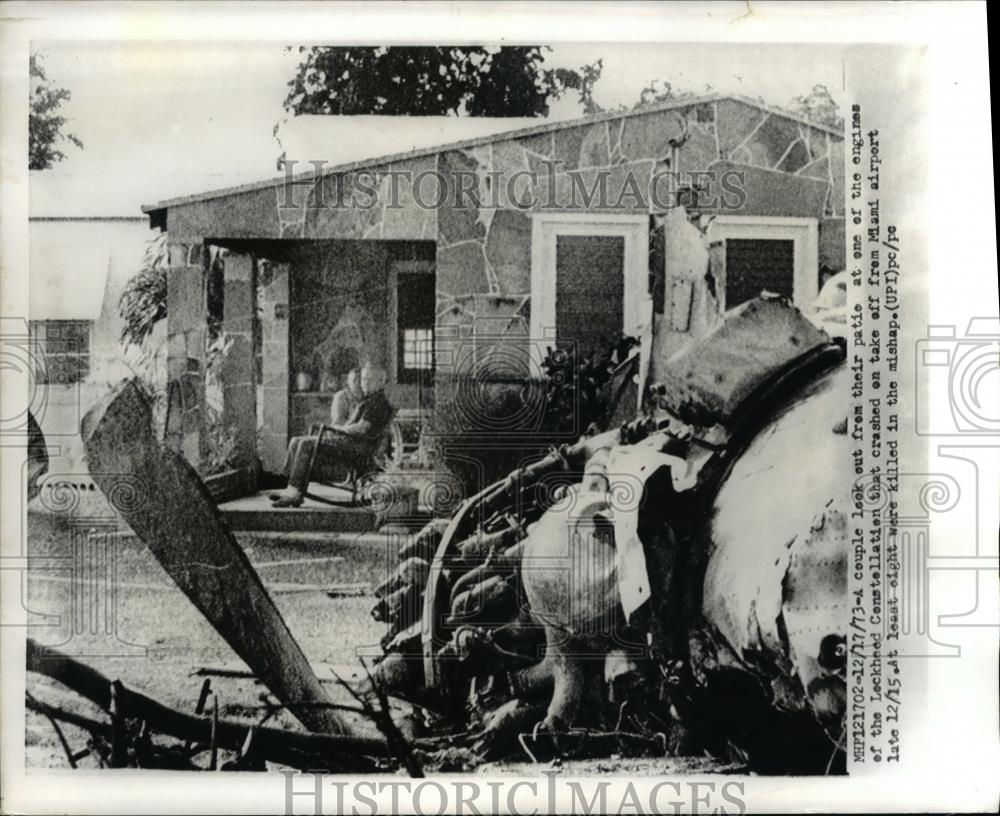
point(339, 140)
point(545, 126)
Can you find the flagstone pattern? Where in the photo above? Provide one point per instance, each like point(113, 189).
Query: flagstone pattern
point(483, 251)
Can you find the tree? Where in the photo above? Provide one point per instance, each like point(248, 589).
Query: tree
point(583, 82)
point(818, 106)
point(45, 124)
point(662, 90)
point(143, 302)
point(428, 81)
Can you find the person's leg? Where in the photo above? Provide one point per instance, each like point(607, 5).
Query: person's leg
point(337, 449)
point(342, 449)
point(299, 460)
point(298, 473)
point(293, 447)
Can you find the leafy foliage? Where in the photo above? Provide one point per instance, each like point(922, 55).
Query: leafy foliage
point(660, 91)
point(818, 106)
point(45, 123)
point(218, 442)
point(575, 396)
point(428, 81)
point(577, 392)
point(215, 295)
point(143, 302)
point(465, 427)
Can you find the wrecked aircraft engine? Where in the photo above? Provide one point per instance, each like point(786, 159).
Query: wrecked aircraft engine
point(678, 584)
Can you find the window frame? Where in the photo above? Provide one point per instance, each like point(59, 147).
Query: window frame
point(638, 300)
point(424, 355)
point(802, 232)
point(397, 374)
point(40, 350)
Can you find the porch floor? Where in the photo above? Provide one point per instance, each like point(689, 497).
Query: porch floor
point(256, 513)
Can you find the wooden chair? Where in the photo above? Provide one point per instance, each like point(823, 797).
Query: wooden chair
point(364, 464)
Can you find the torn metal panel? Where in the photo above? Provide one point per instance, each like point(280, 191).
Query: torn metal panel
point(768, 500)
point(709, 383)
point(691, 310)
point(815, 595)
point(569, 565)
point(631, 467)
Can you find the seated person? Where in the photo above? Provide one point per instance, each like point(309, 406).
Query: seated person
point(345, 403)
point(346, 400)
point(357, 438)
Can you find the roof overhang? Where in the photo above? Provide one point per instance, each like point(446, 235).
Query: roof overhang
point(158, 212)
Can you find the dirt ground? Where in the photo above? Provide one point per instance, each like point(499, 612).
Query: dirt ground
point(148, 635)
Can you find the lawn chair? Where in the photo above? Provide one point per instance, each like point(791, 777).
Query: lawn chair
point(367, 463)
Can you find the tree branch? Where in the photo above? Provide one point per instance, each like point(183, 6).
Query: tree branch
point(296, 749)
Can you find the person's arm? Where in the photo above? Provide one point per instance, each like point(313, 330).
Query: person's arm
point(356, 423)
point(357, 428)
point(340, 410)
point(370, 415)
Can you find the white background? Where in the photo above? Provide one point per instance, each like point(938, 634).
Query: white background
point(953, 752)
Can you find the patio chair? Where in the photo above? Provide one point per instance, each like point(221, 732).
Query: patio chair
point(357, 468)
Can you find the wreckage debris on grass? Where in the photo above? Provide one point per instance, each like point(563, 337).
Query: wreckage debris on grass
point(631, 656)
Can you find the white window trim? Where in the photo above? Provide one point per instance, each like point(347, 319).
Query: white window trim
point(397, 268)
point(545, 227)
point(803, 232)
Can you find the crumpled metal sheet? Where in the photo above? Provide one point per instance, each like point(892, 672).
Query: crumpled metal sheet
point(600, 570)
point(815, 593)
point(707, 383)
point(763, 513)
point(629, 468)
point(568, 567)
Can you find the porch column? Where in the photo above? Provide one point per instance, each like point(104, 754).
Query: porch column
point(272, 280)
point(239, 403)
point(186, 313)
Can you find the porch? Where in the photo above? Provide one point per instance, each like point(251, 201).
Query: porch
point(262, 333)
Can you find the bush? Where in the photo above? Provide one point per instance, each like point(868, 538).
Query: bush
point(143, 303)
point(482, 429)
point(577, 394)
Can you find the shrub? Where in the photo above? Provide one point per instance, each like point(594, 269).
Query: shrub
point(482, 429)
point(143, 302)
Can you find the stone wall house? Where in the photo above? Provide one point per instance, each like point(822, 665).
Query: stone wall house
point(466, 261)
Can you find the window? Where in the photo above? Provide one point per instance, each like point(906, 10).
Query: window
point(755, 265)
point(418, 349)
point(590, 291)
point(589, 278)
point(61, 349)
point(415, 314)
point(767, 253)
